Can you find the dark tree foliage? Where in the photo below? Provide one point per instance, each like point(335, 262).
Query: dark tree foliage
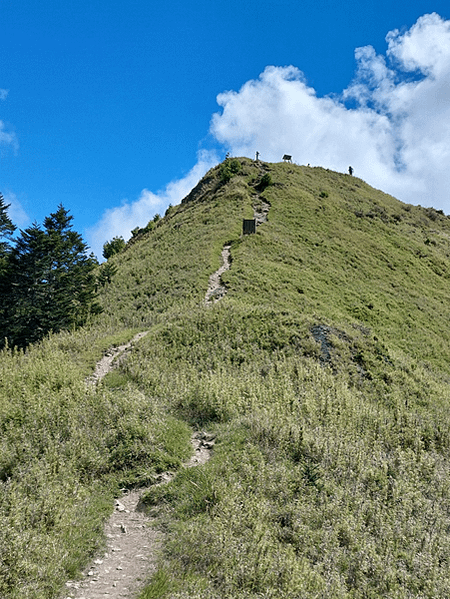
point(116, 245)
point(6, 230)
point(49, 284)
point(229, 168)
point(266, 181)
point(6, 227)
point(24, 288)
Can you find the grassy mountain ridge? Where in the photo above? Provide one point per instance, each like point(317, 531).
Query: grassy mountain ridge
point(323, 373)
point(333, 245)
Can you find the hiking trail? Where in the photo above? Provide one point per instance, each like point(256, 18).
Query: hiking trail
point(216, 289)
point(106, 364)
point(132, 539)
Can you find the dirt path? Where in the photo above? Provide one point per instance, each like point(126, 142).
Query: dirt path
point(129, 557)
point(216, 289)
point(132, 541)
point(105, 365)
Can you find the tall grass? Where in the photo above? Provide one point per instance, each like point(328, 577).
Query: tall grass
point(65, 449)
point(321, 484)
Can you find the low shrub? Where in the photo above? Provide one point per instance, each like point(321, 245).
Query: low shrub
point(229, 168)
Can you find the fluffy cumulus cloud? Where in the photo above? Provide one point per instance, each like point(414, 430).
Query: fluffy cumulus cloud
point(392, 123)
point(121, 220)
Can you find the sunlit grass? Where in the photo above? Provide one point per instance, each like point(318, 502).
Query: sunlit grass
point(323, 373)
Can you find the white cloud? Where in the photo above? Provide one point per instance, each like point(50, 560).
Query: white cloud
point(121, 220)
point(15, 211)
point(426, 46)
point(8, 138)
point(392, 124)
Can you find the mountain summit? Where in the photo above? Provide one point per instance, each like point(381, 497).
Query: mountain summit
point(327, 247)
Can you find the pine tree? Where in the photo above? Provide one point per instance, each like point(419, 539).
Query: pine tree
point(51, 281)
point(7, 228)
point(70, 281)
point(28, 264)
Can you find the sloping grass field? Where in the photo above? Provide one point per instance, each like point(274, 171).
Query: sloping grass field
point(323, 373)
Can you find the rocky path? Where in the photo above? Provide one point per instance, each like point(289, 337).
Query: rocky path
point(216, 289)
point(105, 365)
point(132, 540)
point(261, 209)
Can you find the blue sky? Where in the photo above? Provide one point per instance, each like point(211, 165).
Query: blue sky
point(116, 109)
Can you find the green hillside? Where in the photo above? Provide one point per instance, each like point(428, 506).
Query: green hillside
point(323, 372)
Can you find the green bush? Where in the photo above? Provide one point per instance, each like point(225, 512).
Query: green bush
point(116, 245)
point(266, 181)
point(229, 168)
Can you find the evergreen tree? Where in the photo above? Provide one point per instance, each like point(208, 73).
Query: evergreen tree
point(71, 282)
point(24, 287)
point(51, 281)
point(7, 228)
